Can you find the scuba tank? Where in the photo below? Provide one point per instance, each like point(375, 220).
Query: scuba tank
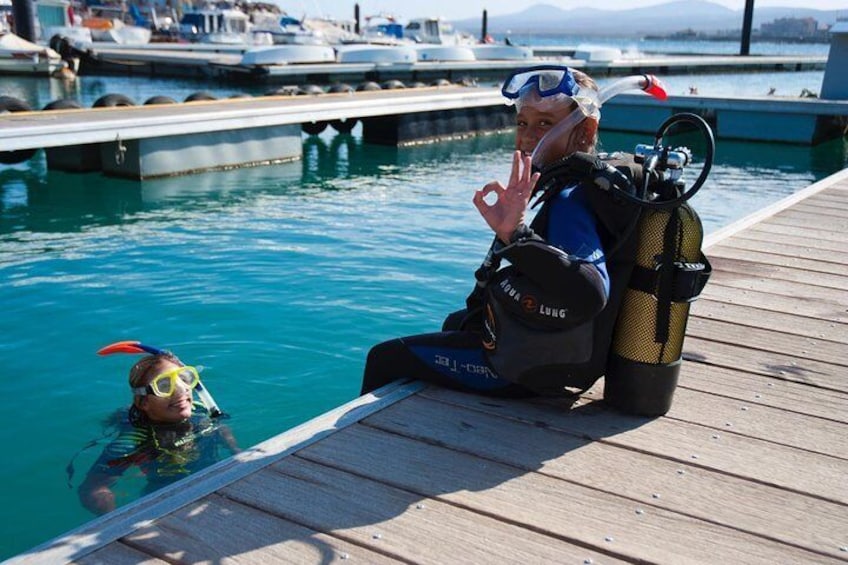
point(669, 273)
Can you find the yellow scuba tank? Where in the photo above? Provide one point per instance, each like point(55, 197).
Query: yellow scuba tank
point(647, 341)
point(669, 273)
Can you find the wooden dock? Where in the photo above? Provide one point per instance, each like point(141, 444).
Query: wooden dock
point(749, 466)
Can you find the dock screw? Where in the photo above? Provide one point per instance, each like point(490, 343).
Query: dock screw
point(639, 511)
point(377, 536)
point(608, 538)
point(120, 151)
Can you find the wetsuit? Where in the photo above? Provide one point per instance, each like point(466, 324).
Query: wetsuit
point(536, 314)
point(164, 453)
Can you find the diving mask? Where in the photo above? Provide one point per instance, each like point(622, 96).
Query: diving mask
point(165, 384)
point(138, 347)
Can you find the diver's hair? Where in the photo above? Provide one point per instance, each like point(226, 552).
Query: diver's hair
point(139, 371)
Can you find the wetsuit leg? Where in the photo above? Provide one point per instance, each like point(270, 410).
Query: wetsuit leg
point(449, 359)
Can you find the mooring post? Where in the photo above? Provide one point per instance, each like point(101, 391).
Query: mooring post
point(356, 18)
point(747, 22)
point(23, 11)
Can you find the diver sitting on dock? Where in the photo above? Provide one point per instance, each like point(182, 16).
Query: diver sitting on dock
point(167, 435)
point(528, 327)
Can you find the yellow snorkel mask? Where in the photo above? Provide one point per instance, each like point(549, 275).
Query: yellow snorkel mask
point(165, 384)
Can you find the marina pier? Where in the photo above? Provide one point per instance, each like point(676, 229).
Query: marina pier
point(748, 466)
point(161, 140)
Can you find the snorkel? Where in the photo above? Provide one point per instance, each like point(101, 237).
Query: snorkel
point(588, 105)
point(138, 347)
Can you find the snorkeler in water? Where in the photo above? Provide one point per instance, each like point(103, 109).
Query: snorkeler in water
point(166, 434)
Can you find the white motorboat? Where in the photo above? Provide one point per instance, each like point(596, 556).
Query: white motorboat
point(222, 26)
point(57, 18)
point(19, 56)
point(444, 53)
point(495, 52)
point(289, 54)
point(435, 30)
point(377, 54)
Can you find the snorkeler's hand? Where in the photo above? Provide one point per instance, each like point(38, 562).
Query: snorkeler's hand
point(507, 212)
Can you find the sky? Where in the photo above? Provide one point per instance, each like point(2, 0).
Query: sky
point(462, 9)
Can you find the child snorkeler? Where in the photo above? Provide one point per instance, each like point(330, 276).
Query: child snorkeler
point(166, 434)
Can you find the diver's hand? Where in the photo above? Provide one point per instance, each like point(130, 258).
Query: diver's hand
point(507, 213)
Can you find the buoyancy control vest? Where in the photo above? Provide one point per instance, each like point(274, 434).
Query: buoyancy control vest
point(568, 353)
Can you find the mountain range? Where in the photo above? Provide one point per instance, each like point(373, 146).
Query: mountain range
point(698, 15)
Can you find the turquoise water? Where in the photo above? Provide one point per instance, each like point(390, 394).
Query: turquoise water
point(275, 279)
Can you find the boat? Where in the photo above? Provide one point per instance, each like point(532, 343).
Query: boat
point(376, 54)
point(495, 52)
point(222, 26)
point(435, 30)
point(432, 52)
point(113, 29)
point(57, 18)
point(288, 55)
point(19, 56)
point(285, 30)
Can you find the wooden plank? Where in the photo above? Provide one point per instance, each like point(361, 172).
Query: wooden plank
point(596, 494)
point(780, 287)
point(824, 251)
point(767, 363)
point(799, 306)
point(824, 209)
point(218, 530)
point(398, 523)
point(760, 271)
point(119, 554)
point(762, 422)
point(783, 341)
point(801, 232)
point(747, 387)
point(725, 450)
point(770, 319)
point(779, 259)
point(795, 217)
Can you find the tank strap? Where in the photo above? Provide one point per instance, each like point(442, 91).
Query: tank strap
point(689, 279)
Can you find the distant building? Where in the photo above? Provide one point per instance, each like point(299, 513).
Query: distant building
point(794, 29)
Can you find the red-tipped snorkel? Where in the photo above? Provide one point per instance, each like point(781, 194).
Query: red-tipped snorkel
point(130, 346)
point(646, 83)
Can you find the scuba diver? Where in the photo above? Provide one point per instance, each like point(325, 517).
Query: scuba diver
point(166, 434)
point(544, 324)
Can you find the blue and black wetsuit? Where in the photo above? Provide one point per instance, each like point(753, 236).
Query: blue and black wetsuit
point(536, 321)
point(163, 453)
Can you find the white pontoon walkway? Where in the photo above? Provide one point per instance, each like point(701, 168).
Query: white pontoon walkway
point(749, 466)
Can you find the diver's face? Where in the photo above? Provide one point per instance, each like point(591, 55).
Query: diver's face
point(168, 410)
point(533, 122)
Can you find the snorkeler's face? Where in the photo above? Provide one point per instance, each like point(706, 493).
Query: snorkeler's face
point(171, 409)
point(533, 122)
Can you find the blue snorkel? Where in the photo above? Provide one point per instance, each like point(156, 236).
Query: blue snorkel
point(138, 347)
